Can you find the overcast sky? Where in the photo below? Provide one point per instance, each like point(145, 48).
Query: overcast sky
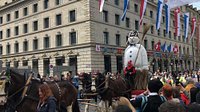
point(197, 5)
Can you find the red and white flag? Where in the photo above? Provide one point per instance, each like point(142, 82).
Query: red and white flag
point(142, 10)
point(177, 21)
point(193, 26)
point(101, 3)
point(157, 46)
point(175, 49)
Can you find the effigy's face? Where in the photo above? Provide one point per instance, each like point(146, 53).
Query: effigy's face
point(133, 40)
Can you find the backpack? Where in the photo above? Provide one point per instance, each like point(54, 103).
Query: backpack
point(152, 105)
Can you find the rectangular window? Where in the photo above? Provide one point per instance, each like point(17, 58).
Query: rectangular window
point(25, 63)
point(158, 32)
point(46, 4)
point(164, 33)
point(58, 2)
point(116, 2)
point(8, 33)
point(16, 47)
point(174, 36)
point(1, 20)
point(136, 25)
point(35, 8)
point(25, 46)
point(136, 7)
point(8, 17)
point(8, 49)
point(118, 39)
point(16, 30)
point(163, 18)
point(1, 50)
point(72, 15)
point(152, 29)
point(58, 19)
point(179, 38)
point(106, 37)
point(35, 25)
point(35, 44)
point(151, 14)
point(73, 38)
point(152, 45)
point(58, 40)
point(1, 34)
point(26, 11)
point(25, 28)
point(117, 19)
point(127, 22)
point(46, 22)
point(46, 42)
point(105, 16)
point(170, 34)
point(146, 44)
point(16, 14)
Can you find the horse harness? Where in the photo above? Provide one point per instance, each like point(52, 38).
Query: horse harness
point(26, 88)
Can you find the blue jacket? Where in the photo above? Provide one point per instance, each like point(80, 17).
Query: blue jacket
point(48, 106)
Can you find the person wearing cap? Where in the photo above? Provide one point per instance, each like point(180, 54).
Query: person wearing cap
point(154, 100)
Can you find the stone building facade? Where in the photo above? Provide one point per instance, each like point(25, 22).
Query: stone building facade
point(46, 33)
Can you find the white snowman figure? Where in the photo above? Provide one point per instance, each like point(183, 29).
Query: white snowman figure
point(131, 52)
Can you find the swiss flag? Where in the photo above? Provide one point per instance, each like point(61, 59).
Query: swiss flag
point(175, 49)
point(157, 46)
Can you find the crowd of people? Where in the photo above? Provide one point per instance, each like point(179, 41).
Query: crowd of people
point(166, 92)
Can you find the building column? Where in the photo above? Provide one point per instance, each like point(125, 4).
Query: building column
point(52, 63)
point(66, 61)
point(113, 64)
point(11, 63)
point(4, 64)
point(30, 63)
point(41, 67)
point(20, 63)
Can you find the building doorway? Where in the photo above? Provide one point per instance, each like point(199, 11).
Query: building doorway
point(119, 64)
point(35, 65)
point(46, 63)
point(107, 63)
point(73, 62)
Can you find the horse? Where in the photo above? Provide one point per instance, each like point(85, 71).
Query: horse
point(87, 88)
point(64, 92)
point(110, 87)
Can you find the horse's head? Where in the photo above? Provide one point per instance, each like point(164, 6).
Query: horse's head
point(15, 82)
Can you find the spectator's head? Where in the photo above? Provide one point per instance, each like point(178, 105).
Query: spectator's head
point(193, 93)
point(198, 97)
point(167, 91)
point(190, 81)
point(194, 107)
point(171, 106)
point(155, 85)
point(176, 92)
point(123, 108)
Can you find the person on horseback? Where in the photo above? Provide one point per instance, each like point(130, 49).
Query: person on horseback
point(47, 101)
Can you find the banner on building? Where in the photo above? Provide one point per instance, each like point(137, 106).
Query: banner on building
point(142, 10)
point(98, 48)
point(126, 3)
